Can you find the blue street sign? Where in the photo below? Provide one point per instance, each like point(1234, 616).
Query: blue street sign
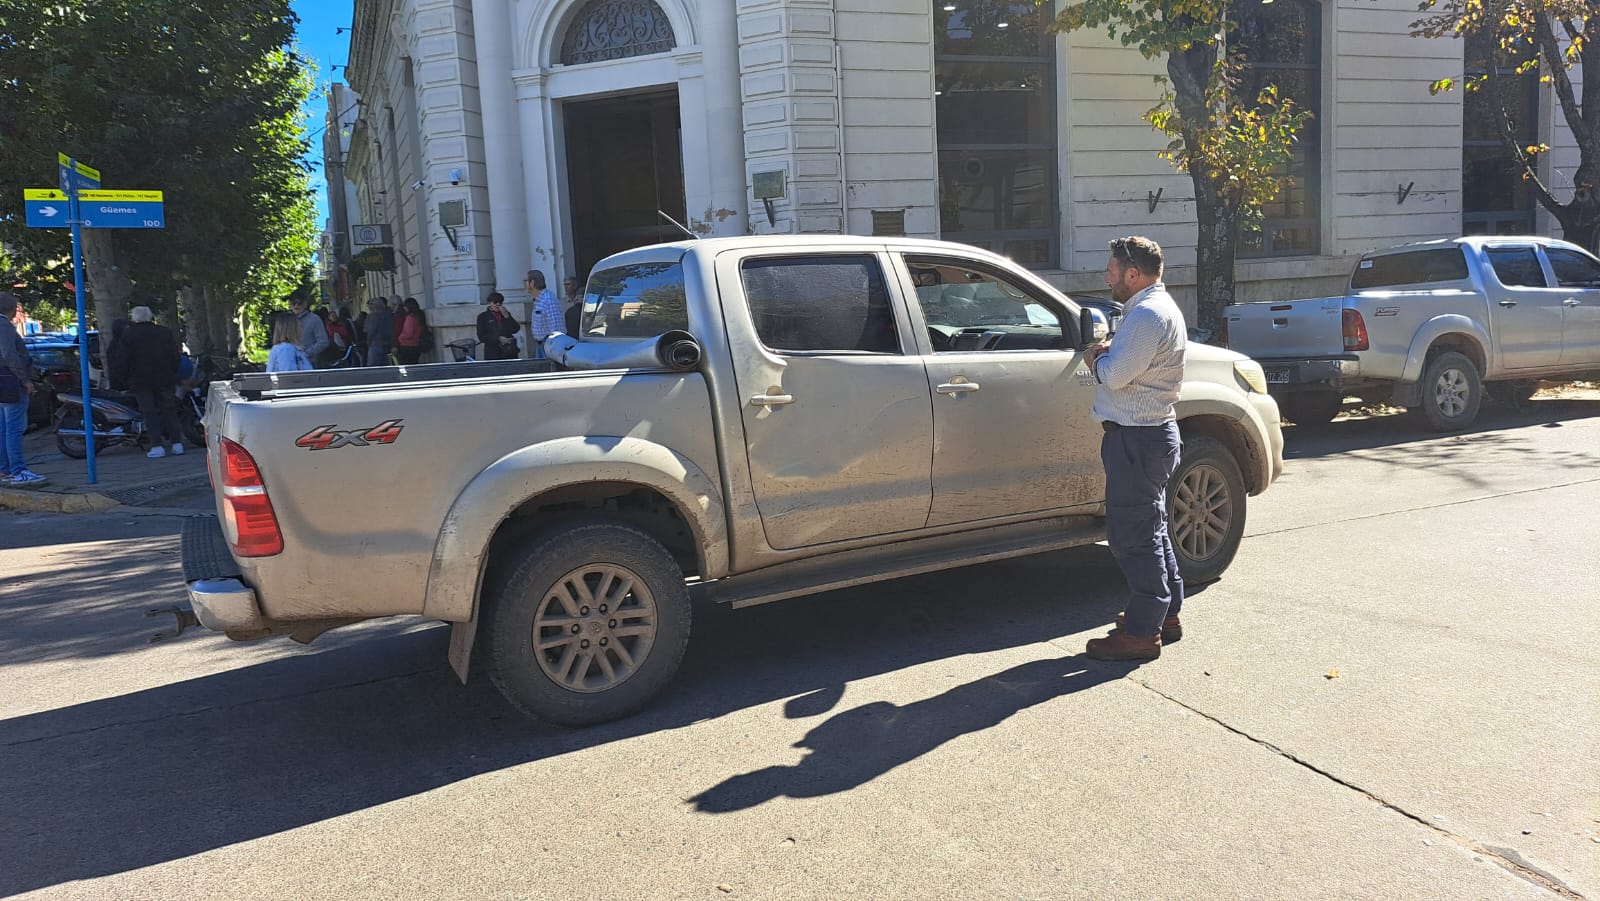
point(47, 213)
point(88, 177)
point(122, 213)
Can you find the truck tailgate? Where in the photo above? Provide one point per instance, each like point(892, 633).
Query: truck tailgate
point(1296, 328)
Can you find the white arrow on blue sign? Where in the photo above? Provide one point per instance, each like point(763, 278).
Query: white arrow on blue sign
point(46, 214)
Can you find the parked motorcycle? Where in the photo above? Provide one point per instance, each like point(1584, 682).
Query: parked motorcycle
point(118, 422)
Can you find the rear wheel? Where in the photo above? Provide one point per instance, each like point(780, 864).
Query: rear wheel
point(1205, 509)
point(1311, 408)
point(587, 624)
point(72, 445)
point(1451, 392)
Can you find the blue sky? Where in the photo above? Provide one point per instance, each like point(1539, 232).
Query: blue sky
point(319, 45)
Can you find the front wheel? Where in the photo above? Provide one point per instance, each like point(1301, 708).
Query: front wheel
point(1205, 509)
point(587, 624)
point(1452, 390)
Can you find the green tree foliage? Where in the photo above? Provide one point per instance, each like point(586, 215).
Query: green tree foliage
point(198, 100)
point(1231, 131)
point(1547, 39)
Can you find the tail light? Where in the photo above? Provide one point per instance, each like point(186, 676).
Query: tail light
point(1355, 330)
point(248, 520)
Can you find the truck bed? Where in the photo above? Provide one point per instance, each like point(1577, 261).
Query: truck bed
point(1287, 329)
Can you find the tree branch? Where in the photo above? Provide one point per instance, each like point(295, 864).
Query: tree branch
point(1545, 35)
point(1495, 84)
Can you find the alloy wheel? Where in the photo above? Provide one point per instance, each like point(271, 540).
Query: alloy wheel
point(594, 627)
point(1202, 511)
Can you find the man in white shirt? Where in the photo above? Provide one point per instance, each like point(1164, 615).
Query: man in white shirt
point(547, 316)
point(1139, 375)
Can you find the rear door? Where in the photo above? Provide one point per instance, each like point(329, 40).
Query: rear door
point(1299, 328)
point(1577, 278)
point(1013, 434)
point(836, 409)
point(1525, 310)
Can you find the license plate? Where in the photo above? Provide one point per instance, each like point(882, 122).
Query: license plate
point(1278, 376)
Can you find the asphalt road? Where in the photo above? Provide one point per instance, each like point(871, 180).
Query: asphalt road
point(1394, 693)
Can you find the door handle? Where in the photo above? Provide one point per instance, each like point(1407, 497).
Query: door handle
point(771, 400)
point(1570, 302)
point(955, 388)
point(1508, 303)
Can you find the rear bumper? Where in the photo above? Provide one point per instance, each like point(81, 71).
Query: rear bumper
point(1302, 372)
point(222, 600)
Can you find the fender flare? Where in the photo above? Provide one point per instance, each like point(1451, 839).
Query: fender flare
point(1196, 398)
point(456, 571)
point(1429, 332)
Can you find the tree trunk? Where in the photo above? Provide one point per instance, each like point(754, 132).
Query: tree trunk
point(107, 281)
point(219, 313)
point(196, 327)
point(1216, 213)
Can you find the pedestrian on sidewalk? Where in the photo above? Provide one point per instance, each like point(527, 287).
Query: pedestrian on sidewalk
point(572, 305)
point(497, 329)
point(313, 334)
point(1138, 375)
point(547, 318)
point(286, 355)
point(16, 389)
point(380, 332)
point(412, 335)
point(148, 360)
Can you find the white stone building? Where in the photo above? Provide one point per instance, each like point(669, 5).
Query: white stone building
point(497, 136)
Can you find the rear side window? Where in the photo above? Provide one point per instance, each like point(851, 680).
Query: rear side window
point(1413, 267)
point(1573, 269)
point(638, 301)
point(1516, 267)
point(828, 304)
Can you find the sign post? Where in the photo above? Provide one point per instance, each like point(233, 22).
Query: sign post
point(107, 209)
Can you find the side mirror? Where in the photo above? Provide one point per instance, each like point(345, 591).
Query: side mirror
point(1092, 325)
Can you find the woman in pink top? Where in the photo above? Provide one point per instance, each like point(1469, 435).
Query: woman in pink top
point(411, 331)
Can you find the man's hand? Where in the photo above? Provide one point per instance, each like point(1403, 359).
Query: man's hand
point(1095, 351)
point(27, 388)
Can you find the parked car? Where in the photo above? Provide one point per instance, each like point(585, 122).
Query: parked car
point(1432, 327)
point(827, 411)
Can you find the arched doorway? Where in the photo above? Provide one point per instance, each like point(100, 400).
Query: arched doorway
point(624, 150)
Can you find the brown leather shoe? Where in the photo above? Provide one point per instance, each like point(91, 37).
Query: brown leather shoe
point(1123, 645)
point(1171, 628)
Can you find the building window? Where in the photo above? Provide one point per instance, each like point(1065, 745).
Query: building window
point(615, 29)
point(994, 75)
point(1282, 47)
point(1495, 198)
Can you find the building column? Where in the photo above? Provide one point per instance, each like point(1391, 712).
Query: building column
point(536, 112)
point(724, 116)
point(502, 144)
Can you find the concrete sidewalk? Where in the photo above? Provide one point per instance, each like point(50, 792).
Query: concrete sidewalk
point(125, 476)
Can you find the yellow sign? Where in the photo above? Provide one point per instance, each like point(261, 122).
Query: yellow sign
point(86, 171)
point(94, 196)
point(98, 196)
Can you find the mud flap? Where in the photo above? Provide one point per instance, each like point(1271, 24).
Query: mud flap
point(1406, 394)
point(462, 637)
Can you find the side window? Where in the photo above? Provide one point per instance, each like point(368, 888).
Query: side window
point(638, 301)
point(971, 309)
point(1412, 267)
point(1516, 267)
point(1573, 269)
point(836, 304)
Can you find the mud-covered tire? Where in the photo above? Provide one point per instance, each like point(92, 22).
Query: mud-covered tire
point(563, 588)
point(1452, 392)
point(1206, 500)
point(1309, 409)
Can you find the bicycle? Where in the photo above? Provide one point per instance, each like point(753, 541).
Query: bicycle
point(463, 349)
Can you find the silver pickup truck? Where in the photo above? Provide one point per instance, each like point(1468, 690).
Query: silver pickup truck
point(1431, 327)
point(841, 411)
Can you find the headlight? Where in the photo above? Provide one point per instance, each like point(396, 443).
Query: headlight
point(1250, 372)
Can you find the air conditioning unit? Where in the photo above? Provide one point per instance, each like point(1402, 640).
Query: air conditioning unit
point(370, 235)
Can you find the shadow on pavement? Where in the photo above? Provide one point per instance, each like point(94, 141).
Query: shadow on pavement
point(1401, 432)
point(114, 785)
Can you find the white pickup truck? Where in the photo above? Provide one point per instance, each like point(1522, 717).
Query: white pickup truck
point(1431, 326)
point(748, 419)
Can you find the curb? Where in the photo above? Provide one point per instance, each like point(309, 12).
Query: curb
point(32, 500)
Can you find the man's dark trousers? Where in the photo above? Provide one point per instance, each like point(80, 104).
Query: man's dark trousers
point(160, 411)
point(1139, 461)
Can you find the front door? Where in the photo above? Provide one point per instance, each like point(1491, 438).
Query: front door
point(1577, 277)
point(624, 164)
point(1526, 312)
point(836, 413)
point(1012, 427)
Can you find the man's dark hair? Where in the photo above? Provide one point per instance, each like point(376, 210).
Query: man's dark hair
point(1139, 252)
point(8, 305)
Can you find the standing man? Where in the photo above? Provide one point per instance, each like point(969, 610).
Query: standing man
point(380, 332)
point(147, 360)
point(572, 305)
point(1139, 376)
point(547, 316)
point(313, 334)
point(16, 391)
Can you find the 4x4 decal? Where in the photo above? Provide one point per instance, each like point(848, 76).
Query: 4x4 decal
point(324, 437)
